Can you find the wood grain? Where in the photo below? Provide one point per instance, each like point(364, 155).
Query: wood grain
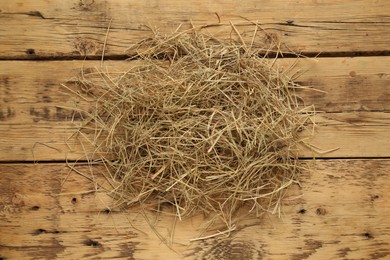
point(34, 125)
point(354, 134)
point(341, 209)
point(340, 212)
point(30, 90)
point(77, 28)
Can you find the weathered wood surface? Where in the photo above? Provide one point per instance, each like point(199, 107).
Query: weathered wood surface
point(45, 29)
point(354, 134)
point(356, 102)
point(349, 84)
point(341, 212)
point(342, 209)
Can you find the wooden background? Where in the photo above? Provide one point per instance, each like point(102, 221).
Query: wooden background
point(342, 209)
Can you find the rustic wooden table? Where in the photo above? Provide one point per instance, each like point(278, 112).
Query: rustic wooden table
point(340, 212)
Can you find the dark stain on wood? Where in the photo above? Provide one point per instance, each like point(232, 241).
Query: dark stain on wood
point(40, 231)
point(343, 252)
point(10, 112)
point(60, 113)
point(86, 47)
point(230, 248)
point(64, 114)
point(89, 70)
point(374, 197)
point(7, 115)
point(43, 113)
point(86, 5)
point(17, 202)
point(50, 113)
point(382, 250)
point(321, 211)
point(5, 86)
point(92, 243)
point(46, 99)
point(271, 38)
point(45, 95)
point(47, 252)
point(5, 81)
point(127, 250)
point(380, 254)
point(355, 119)
point(309, 249)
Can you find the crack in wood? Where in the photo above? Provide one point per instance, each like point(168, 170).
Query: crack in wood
point(31, 13)
point(36, 14)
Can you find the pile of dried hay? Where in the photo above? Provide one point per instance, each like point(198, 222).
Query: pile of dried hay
point(202, 124)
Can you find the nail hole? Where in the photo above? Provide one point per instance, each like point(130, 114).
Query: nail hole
point(302, 211)
point(38, 231)
point(74, 200)
point(368, 235)
point(374, 197)
point(30, 51)
point(91, 243)
point(35, 208)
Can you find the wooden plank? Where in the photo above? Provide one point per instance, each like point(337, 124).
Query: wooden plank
point(38, 29)
point(354, 134)
point(340, 212)
point(34, 127)
point(30, 90)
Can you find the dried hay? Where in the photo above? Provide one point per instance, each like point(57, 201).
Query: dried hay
point(200, 123)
